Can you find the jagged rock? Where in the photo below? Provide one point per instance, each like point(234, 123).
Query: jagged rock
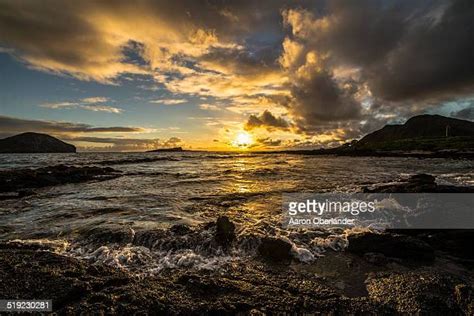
point(420, 292)
point(180, 229)
point(274, 249)
point(419, 183)
point(20, 180)
point(79, 287)
point(225, 230)
point(391, 245)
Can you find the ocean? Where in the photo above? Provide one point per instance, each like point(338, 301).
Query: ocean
point(154, 216)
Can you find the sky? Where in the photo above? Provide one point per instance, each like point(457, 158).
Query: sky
point(230, 75)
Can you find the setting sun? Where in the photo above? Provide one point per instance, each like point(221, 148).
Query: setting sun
point(242, 139)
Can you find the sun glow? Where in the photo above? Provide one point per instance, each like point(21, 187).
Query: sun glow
point(242, 140)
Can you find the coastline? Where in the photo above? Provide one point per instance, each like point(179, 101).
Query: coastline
point(377, 273)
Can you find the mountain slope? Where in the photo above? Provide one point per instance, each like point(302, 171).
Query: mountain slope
point(421, 127)
point(34, 143)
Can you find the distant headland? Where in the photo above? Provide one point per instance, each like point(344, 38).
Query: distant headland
point(34, 143)
point(421, 136)
point(174, 149)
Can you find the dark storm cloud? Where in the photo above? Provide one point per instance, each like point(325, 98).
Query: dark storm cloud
point(242, 62)
point(399, 57)
point(13, 125)
point(432, 57)
point(266, 120)
point(320, 99)
point(404, 49)
point(410, 54)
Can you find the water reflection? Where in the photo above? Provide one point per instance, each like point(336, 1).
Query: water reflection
point(193, 188)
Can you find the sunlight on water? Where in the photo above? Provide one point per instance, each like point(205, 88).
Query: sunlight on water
point(160, 190)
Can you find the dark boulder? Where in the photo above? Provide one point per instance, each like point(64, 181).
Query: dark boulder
point(391, 245)
point(274, 249)
point(225, 230)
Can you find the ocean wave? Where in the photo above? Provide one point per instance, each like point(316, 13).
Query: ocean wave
point(196, 248)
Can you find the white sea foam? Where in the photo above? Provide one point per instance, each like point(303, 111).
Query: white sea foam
point(57, 246)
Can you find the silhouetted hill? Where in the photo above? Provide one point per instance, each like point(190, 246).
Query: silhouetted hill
point(421, 136)
point(165, 150)
point(34, 143)
point(422, 126)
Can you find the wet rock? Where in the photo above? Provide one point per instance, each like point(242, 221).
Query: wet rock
point(180, 229)
point(149, 238)
point(104, 236)
point(422, 178)
point(416, 292)
point(464, 296)
point(80, 287)
point(20, 180)
point(455, 242)
point(375, 258)
point(225, 230)
point(419, 183)
point(391, 245)
point(274, 249)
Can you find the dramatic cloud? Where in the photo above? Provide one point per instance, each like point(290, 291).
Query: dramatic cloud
point(380, 53)
point(266, 120)
point(11, 125)
point(403, 50)
point(331, 68)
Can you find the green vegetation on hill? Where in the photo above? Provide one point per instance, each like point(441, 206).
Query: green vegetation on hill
point(425, 144)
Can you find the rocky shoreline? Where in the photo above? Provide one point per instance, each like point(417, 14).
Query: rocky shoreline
point(378, 274)
point(18, 183)
point(395, 272)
